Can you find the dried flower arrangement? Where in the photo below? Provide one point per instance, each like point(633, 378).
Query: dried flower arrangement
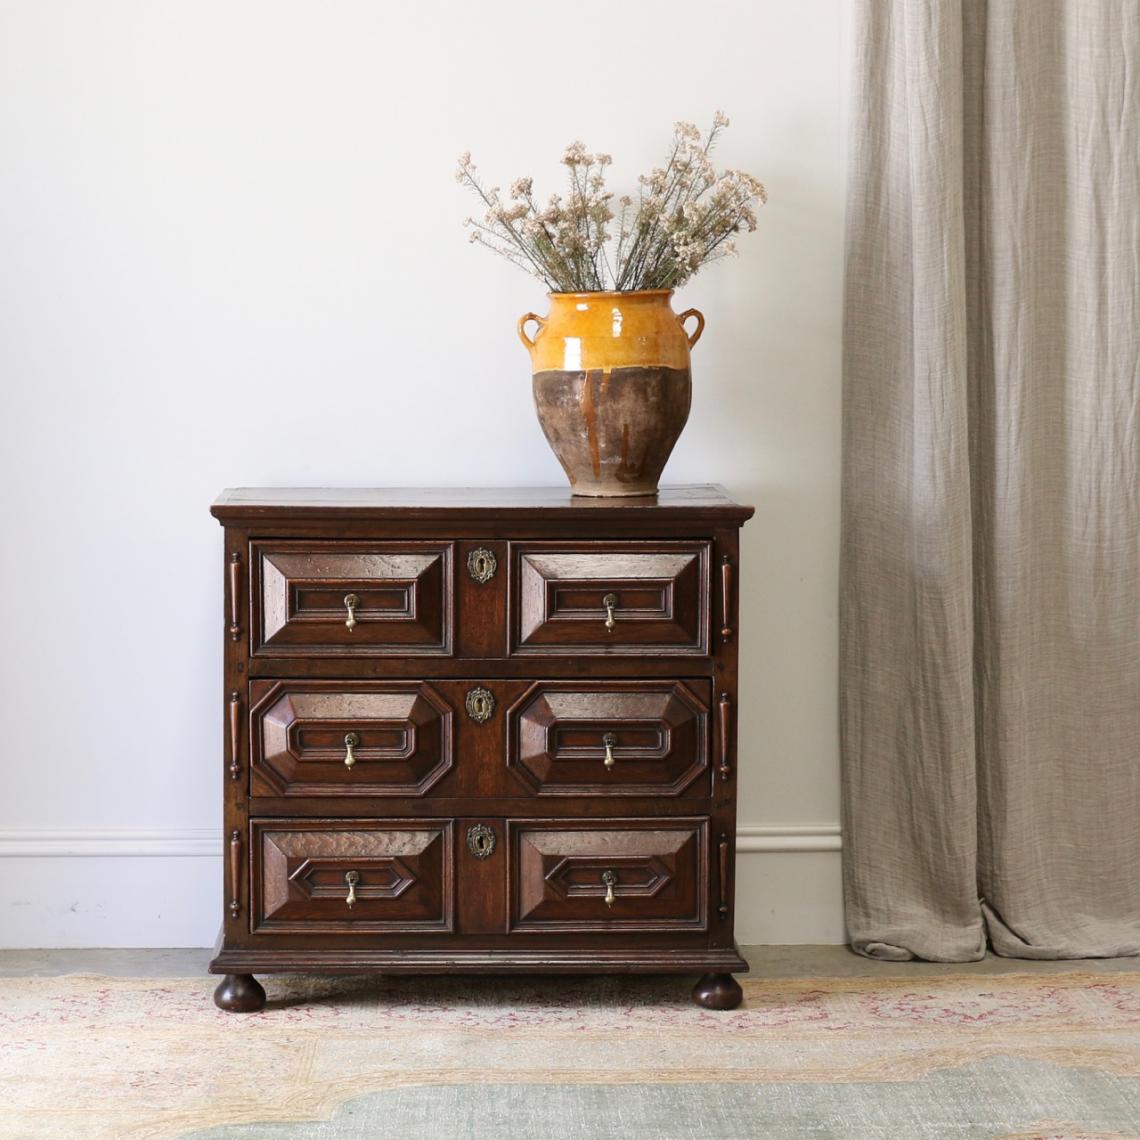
point(685, 216)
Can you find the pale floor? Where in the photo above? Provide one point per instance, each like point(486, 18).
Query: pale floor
point(766, 962)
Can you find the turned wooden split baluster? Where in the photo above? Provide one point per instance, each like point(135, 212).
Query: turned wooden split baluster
point(235, 597)
point(726, 596)
point(724, 707)
point(235, 735)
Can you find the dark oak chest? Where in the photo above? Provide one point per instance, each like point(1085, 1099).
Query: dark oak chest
point(485, 731)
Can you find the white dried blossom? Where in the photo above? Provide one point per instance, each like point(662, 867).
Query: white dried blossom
point(682, 218)
point(577, 155)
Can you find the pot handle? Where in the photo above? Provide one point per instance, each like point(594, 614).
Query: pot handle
point(522, 328)
point(700, 324)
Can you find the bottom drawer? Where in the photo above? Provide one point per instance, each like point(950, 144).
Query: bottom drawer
point(345, 876)
point(608, 875)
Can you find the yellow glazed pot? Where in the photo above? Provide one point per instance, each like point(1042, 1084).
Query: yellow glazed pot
point(612, 385)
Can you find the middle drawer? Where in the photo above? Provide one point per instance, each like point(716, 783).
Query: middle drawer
point(485, 738)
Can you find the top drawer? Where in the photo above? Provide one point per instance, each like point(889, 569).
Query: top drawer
point(633, 598)
point(351, 599)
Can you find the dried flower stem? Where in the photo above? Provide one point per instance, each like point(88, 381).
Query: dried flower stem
point(686, 213)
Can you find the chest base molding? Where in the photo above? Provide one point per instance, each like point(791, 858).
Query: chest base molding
point(487, 961)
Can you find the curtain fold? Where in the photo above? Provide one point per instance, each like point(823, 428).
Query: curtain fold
point(990, 584)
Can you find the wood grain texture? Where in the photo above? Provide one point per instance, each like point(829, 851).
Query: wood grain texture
point(403, 868)
point(657, 731)
point(658, 870)
point(610, 598)
point(708, 501)
point(533, 776)
point(402, 598)
point(402, 733)
point(515, 958)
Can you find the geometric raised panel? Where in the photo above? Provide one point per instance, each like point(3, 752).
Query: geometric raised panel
point(318, 879)
point(403, 875)
point(401, 738)
point(621, 738)
point(631, 598)
point(400, 594)
point(576, 878)
point(654, 872)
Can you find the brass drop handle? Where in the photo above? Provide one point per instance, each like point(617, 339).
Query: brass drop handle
point(351, 601)
point(610, 742)
point(610, 880)
point(610, 601)
point(351, 741)
point(351, 878)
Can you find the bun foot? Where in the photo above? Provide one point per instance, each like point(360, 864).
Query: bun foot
point(718, 991)
point(240, 993)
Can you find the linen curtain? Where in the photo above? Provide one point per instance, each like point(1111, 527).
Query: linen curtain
point(990, 583)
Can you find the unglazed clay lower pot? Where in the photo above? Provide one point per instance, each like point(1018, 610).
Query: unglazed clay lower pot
point(612, 385)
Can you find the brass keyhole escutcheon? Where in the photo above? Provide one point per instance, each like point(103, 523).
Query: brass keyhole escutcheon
point(480, 704)
point(351, 878)
point(481, 565)
point(351, 741)
point(610, 601)
point(481, 841)
point(351, 601)
point(609, 741)
point(610, 881)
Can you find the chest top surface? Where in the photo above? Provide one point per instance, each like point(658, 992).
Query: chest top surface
point(243, 505)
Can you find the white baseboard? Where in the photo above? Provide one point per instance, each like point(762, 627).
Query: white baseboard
point(131, 887)
point(754, 839)
point(198, 842)
point(89, 843)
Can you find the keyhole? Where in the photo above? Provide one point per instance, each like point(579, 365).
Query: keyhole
point(481, 841)
point(481, 565)
point(480, 705)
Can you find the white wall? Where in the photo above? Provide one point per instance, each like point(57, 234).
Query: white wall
point(231, 253)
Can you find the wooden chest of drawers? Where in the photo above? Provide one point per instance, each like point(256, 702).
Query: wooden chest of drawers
point(483, 731)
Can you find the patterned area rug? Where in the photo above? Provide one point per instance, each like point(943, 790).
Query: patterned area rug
point(969, 1057)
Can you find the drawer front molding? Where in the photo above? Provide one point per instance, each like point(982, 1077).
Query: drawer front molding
point(609, 876)
point(610, 738)
point(352, 599)
point(333, 738)
point(352, 876)
point(632, 598)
